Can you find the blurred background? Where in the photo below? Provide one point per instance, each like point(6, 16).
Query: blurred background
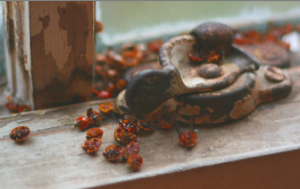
point(131, 20)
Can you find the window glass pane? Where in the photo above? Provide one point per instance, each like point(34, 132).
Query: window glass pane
point(130, 20)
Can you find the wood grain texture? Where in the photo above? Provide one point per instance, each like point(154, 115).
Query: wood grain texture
point(62, 50)
point(52, 156)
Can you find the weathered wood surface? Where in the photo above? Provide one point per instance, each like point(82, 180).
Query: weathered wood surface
point(16, 46)
point(50, 50)
point(62, 50)
point(52, 156)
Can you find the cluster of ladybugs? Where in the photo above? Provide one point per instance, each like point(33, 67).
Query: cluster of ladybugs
point(125, 134)
point(273, 34)
point(111, 152)
point(15, 105)
point(111, 65)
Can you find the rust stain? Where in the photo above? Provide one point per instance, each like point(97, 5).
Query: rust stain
point(229, 96)
point(222, 119)
point(209, 110)
point(25, 58)
point(243, 107)
point(202, 119)
point(189, 110)
point(23, 87)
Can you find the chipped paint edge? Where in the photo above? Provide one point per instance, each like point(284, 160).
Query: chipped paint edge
point(28, 51)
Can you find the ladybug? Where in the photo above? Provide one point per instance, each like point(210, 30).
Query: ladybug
point(106, 108)
point(82, 123)
point(112, 152)
point(130, 149)
point(94, 133)
point(127, 125)
point(188, 138)
point(92, 145)
point(124, 137)
point(134, 162)
point(19, 133)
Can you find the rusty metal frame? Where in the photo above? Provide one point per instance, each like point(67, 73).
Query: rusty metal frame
point(211, 93)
